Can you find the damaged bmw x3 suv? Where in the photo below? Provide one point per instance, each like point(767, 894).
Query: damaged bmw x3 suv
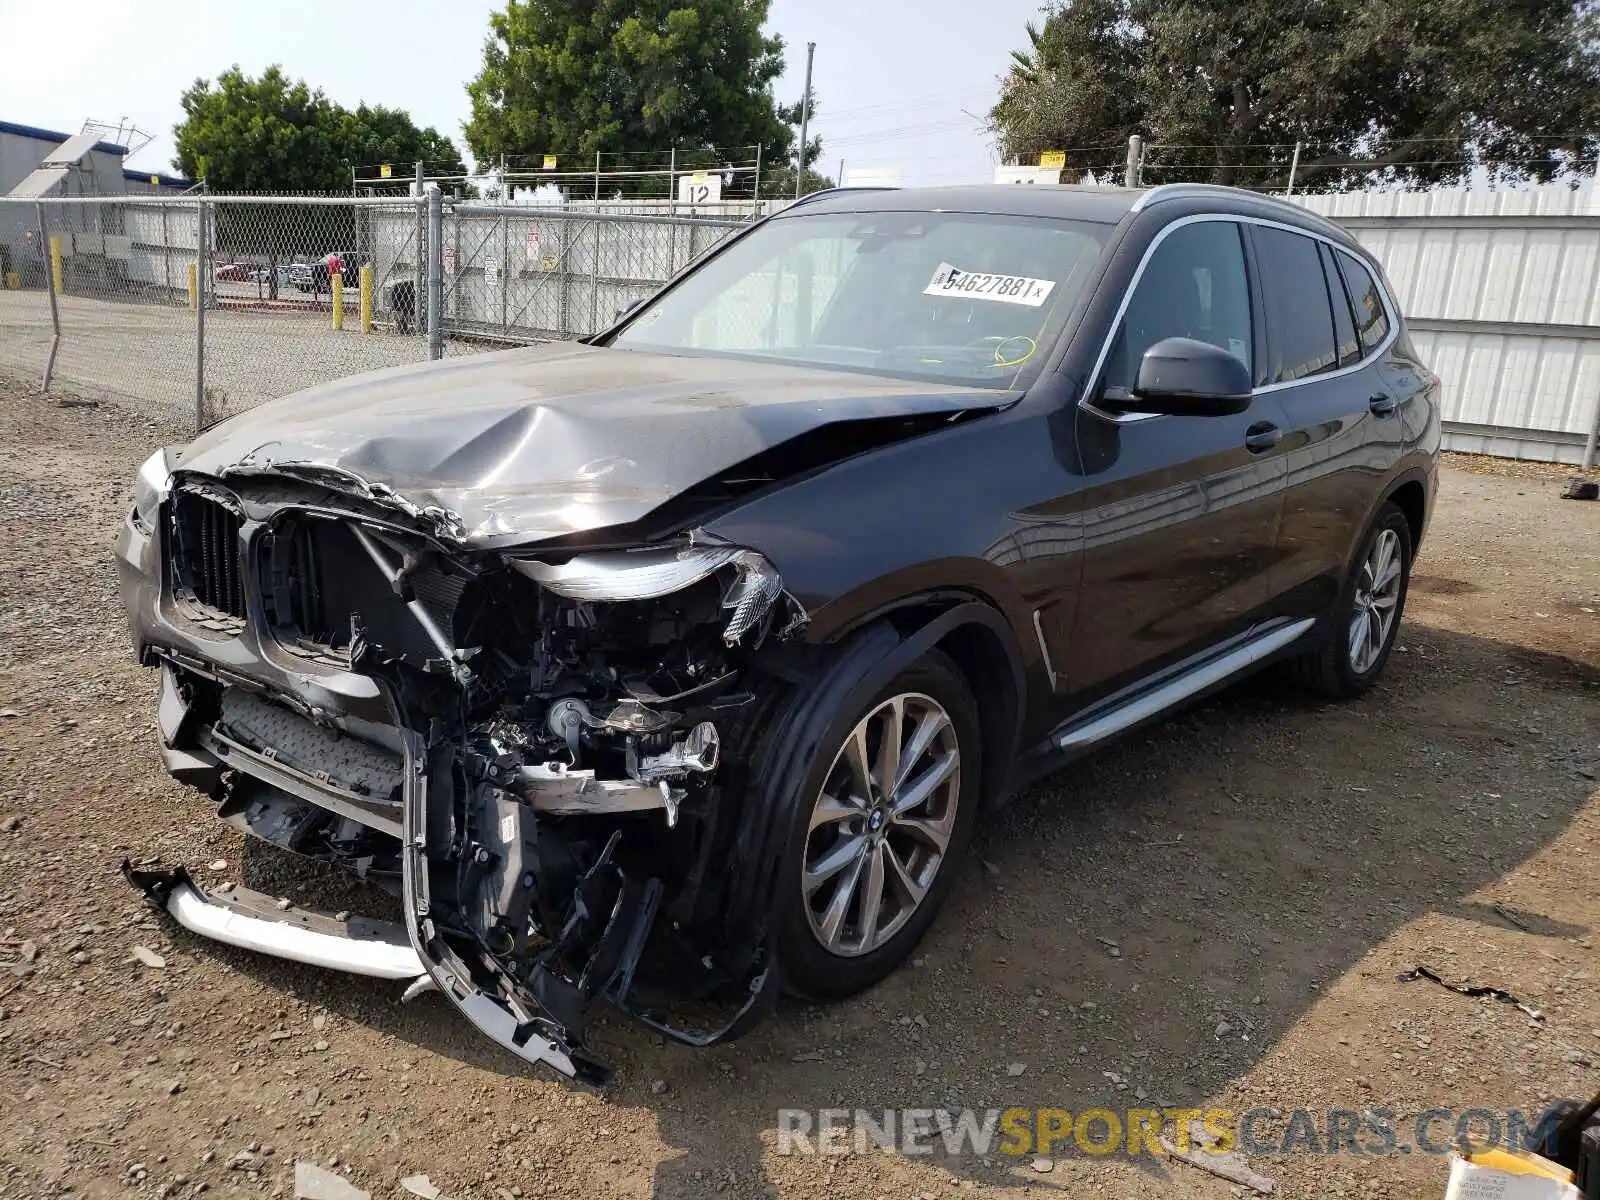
point(676, 668)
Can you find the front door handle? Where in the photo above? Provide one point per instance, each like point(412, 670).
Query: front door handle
point(1383, 404)
point(1261, 437)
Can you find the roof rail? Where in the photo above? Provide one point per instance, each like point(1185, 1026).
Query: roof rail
point(810, 196)
point(1174, 191)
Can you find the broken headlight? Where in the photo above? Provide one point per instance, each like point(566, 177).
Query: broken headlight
point(150, 487)
point(651, 573)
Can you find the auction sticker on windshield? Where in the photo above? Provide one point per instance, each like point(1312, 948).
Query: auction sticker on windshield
point(980, 285)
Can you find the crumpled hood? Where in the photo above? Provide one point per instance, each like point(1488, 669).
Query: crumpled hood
point(525, 445)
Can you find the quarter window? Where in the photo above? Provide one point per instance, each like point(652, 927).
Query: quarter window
point(1299, 315)
point(1371, 321)
point(1194, 286)
point(1343, 327)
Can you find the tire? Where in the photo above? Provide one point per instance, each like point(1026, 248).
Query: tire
point(902, 851)
point(1338, 668)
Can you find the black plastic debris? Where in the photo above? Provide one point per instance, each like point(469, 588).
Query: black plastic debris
point(1464, 989)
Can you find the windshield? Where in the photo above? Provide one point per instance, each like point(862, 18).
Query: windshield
point(963, 298)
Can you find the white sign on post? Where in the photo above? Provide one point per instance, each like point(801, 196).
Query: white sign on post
point(702, 187)
point(533, 245)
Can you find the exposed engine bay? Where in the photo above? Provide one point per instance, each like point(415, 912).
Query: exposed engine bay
point(544, 794)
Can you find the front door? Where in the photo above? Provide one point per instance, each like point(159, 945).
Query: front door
point(1180, 515)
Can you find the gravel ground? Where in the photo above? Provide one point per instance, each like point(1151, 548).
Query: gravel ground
point(142, 355)
point(1264, 865)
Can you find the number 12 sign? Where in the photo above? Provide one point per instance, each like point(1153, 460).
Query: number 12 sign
point(702, 187)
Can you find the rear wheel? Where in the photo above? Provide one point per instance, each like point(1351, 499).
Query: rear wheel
point(1366, 616)
point(887, 813)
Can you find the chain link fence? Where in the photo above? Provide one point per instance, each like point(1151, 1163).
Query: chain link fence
point(190, 309)
point(517, 273)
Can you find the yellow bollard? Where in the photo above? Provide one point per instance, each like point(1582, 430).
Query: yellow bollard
point(337, 283)
point(194, 288)
point(366, 298)
point(55, 264)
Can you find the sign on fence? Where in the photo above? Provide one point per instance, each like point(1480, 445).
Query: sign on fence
point(450, 260)
point(702, 187)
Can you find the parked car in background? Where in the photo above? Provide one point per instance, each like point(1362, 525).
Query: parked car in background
point(302, 275)
point(679, 667)
point(234, 272)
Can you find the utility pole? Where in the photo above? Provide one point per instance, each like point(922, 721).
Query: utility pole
point(1294, 165)
point(805, 121)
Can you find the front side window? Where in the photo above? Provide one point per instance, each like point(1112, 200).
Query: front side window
point(1372, 323)
point(1194, 286)
point(1299, 314)
point(964, 298)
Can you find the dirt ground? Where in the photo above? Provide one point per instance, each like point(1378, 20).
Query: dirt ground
point(1265, 865)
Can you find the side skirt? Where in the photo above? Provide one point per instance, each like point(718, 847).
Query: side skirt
point(1151, 698)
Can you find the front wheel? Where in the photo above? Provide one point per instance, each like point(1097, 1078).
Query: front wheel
point(886, 814)
point(1366, 615)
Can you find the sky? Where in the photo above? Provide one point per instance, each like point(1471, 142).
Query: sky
point(895, 82)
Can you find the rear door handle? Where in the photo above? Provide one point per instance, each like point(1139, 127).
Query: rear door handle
point(1261, 437)
point(1383, 404)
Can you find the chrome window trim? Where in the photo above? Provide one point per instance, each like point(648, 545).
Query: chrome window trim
point(1391, 308)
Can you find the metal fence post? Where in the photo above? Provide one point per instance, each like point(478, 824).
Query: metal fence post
point(55, 311)
point(594, 279)
point(435, 272)
point(419, 287)
point(166, 253)
point(1593, 441)
point(202, 214)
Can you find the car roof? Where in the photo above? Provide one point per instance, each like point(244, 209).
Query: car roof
point(1104, 205)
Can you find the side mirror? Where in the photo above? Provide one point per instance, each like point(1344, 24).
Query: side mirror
point(627, 308)
point(1183, 377)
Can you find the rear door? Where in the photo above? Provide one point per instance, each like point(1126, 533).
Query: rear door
point(1342, 435)
point(1180, 514)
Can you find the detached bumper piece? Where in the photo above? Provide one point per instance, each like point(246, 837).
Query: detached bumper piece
point(254, 921)
point(536, 1033)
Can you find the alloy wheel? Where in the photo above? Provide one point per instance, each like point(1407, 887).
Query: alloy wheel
point(881, 825)
point(1377, 601)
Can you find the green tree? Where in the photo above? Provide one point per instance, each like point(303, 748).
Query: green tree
point(371, 136)
point(578, 77)
point(1423, 91)
point(273, 134)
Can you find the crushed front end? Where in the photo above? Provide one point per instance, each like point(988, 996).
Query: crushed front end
point(541, 753)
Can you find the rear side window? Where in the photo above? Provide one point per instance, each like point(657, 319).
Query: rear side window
point(1194, 286)
point(1372, 323)
point(1299, 315)
point(1344, 328)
